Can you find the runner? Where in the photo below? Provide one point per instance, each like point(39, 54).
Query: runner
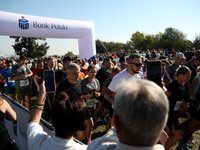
point(90, 91)
point(176, 93)
point(20, 74)
point(102, 75)
point(72, 85)
point(50, 96)
point(114, 72)
point(9, 85)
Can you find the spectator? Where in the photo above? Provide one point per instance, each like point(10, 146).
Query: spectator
point(64, 106)
point(6, 112)
point(135, 108)
point(20, 74)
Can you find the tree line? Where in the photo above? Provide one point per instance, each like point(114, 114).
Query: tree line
point(171, 39)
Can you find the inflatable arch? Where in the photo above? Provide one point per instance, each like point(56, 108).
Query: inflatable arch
point(21, 25)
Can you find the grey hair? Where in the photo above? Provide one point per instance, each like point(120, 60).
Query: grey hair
point(142, 109)
point(72, 66)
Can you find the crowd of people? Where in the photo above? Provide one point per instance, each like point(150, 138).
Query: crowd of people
point(138, 116)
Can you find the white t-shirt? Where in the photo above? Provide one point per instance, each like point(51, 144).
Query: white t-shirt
point(110, 141)
point(40, 140)
point(97, 66)
point(122, 76)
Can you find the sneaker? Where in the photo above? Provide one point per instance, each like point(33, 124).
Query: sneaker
point(95, 122)
point(183, 146)
point(102, 119)
point(191, 141)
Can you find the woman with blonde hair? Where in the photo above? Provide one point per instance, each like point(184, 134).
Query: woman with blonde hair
point(6, 112)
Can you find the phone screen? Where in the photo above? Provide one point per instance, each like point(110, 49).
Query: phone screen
point(49, 78)
point(154, 72)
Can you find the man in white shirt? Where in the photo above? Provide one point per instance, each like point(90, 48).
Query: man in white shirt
point(133, 70)
point(67, 116)
point(140, 116)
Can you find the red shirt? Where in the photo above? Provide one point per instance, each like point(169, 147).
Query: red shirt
point(35, 71)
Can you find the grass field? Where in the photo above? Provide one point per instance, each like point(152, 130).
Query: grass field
point(99, 130)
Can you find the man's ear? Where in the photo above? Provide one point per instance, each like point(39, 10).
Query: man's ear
point(67, 73)
point(117, 123)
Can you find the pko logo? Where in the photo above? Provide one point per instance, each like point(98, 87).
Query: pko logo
point(23, 23)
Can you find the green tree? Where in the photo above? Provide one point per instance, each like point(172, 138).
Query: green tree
point(147, 43)
point(137, 40)
point(174, 39)
point(196, 42)
point(28, 46)
point(100, 46)
point(128, 45)
point(70, 53)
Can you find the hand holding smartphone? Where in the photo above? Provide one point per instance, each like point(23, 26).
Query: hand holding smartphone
point(154, 71)
point(49, 78)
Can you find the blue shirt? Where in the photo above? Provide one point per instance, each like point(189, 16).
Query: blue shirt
point(6, 73)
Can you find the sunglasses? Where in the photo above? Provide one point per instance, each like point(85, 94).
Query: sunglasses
point(137, 64)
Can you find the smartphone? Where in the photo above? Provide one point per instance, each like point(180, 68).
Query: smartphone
point(49, 78)
point(154, 71)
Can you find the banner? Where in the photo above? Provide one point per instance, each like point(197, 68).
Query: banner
point(18, 133)
point(21, 25)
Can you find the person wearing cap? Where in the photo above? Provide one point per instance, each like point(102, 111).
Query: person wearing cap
point(179, 58)
point(189, 56)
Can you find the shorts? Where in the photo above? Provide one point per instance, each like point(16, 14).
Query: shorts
point(88, 114)
point(173, 123)
point(196, 110)
point(111, 112)
point(21, 93)
point(101, 99)
point(87, 117)
point(10, 89)
point(107, 105)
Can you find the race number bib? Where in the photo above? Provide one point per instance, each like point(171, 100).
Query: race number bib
point(24, 82)
point(91, 103)
point(178, 105)
point(10, 81)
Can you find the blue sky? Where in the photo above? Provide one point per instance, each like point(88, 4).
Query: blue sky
point(115, 20)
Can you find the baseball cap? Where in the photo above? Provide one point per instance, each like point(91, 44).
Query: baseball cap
point(198, 50)
point(180, 55)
